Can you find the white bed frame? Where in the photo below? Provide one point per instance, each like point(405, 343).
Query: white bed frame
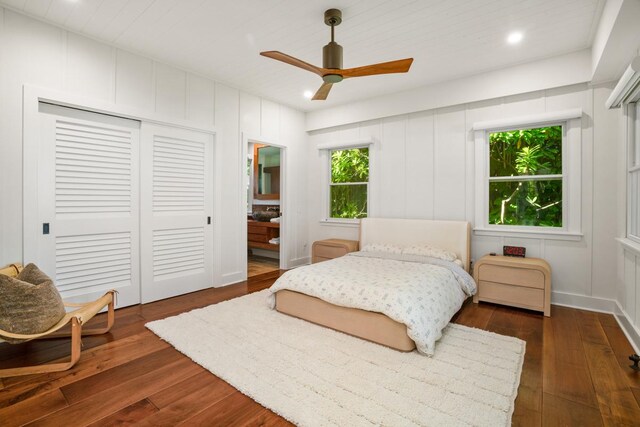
point(454, 236)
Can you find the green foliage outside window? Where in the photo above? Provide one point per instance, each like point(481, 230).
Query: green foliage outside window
point(526, 153)
point(349, 183)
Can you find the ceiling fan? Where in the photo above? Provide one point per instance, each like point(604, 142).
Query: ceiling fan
point(331, 70)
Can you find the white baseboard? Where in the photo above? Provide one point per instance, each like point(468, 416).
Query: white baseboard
point(632, 333)
point(583, 302)
point(231, 278)
point(297, 262)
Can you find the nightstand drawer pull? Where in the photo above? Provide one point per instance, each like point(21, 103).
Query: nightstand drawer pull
point(517, 296)
point(512, 276)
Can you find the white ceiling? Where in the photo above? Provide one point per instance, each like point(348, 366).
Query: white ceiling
point(222, 39)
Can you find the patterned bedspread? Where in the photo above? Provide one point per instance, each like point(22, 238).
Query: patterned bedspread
point(421, 292)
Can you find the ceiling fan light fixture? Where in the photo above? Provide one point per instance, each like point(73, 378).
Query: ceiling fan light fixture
point(332, 78)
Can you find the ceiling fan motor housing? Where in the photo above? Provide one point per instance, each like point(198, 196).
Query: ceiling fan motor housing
point(332, 56)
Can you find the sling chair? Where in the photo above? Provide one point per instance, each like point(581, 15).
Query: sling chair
point(78, 317)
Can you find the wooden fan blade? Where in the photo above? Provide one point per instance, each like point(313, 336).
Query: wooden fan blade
point(279, 56)
point(399, 66)
point(322, 93)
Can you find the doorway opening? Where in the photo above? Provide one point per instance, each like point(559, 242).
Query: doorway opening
point(263, 208)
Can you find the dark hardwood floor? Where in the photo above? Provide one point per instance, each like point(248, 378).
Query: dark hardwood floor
point(575, 372)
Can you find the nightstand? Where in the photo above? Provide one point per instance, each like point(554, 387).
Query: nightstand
point(518, 282)
point(323, 250)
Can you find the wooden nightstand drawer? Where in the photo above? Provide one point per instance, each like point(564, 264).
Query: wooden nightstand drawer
point(512, 295)
point(329, 251)
point(324, 250)
point(512, 276)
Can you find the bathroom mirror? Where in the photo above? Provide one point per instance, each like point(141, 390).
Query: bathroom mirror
point(266, 172)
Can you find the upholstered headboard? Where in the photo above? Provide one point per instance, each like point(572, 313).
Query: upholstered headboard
point(453, 236)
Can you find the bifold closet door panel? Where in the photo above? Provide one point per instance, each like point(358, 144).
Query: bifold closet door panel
point(88, 209)
point(176, 211)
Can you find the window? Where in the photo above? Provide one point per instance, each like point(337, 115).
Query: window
point(349, 183)
point(525, 177)
point(528, 175)
point(633, 170)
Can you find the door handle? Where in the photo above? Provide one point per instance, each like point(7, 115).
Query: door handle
point(208, 220)
point(45, 228)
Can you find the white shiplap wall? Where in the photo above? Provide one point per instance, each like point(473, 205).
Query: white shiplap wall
point(39, 54)
point(424, 168)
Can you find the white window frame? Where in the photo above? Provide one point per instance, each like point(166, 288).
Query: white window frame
point(325, 153)
point(571, 122)
point(626, 94)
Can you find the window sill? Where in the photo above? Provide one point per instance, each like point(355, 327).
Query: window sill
point(531, 234)
point(349, 223)
point(629, 244)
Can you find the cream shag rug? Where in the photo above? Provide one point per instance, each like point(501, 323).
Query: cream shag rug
point(314, 376)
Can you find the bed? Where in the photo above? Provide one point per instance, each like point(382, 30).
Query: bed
point(322, 293)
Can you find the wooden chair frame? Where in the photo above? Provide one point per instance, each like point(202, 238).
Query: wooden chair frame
point(77, 318)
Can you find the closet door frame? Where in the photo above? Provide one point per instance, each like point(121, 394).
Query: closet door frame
point(31, 97)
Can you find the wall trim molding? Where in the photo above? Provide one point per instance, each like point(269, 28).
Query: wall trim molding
point(230, 279)
point(630, 331)
point(34, 94)
point(530, 234)
point(583, 302)
point(560, 71)
point(336, 145)
point(529, 120)
point(627, 86)
point(628, 244)
point(299, 262)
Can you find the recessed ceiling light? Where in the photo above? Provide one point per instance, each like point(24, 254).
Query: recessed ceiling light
point(514, 37)
point(308, 94)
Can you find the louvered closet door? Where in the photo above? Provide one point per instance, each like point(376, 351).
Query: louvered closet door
point(176, 201)
point(88, 195)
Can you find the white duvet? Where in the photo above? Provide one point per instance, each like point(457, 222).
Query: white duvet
point(421, 292)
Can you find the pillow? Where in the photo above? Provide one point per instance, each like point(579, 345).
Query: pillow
point(427, 250)
point(29, 303)
point(382, 247)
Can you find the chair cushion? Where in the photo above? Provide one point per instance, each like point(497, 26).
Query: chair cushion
point(29, 303)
